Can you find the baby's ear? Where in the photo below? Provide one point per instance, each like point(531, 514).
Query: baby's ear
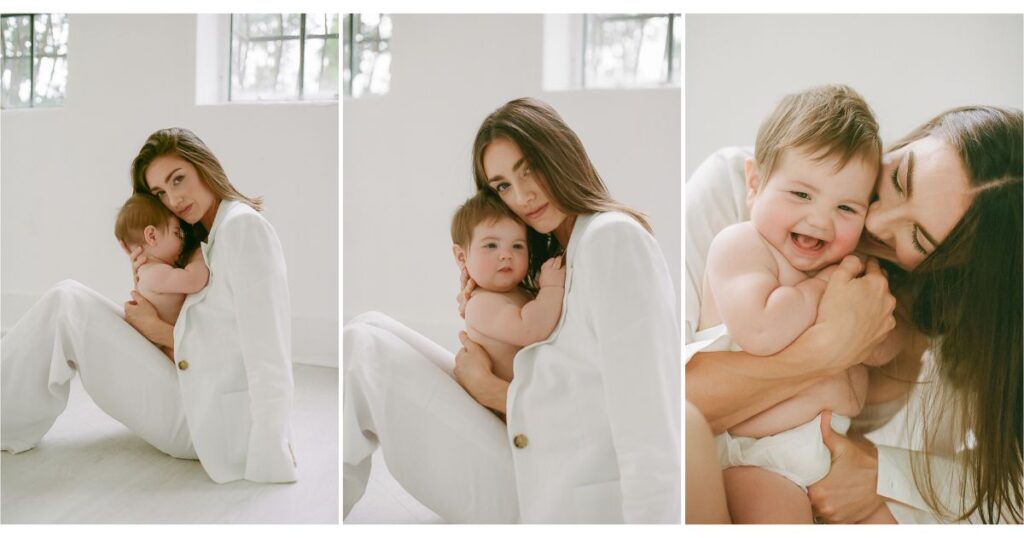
point(460, 256)
point(752, 179)
point(149, 234)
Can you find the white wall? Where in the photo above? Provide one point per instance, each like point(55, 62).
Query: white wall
point(65, 170)
point(908, 67)
point(407, 157)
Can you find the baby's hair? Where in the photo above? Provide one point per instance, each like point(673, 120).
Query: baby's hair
point(479, 208)
point(825, 122)
point(139, 211)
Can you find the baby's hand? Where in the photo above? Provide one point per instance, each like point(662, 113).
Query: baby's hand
point(552, 273)
point(853, 263)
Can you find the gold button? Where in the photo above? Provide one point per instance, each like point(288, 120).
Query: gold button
point(183, 365)
point(520, 441)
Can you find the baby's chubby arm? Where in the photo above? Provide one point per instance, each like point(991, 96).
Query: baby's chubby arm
point(496, 317)
point(163, 278)
point(763, 316)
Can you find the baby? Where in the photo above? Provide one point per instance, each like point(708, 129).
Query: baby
point(502, 315)
point(145, 222)
point(809, 186)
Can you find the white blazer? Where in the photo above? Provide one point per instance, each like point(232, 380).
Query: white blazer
point(593, 411)
point(232, 344)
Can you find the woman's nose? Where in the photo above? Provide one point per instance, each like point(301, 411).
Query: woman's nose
point(881, 219)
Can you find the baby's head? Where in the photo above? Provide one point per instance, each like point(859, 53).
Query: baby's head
point(489, 240)
point(809, 186)
point(145, 222)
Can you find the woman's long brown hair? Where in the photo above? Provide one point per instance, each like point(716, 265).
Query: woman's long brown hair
point(967, 296)
point(553, 150)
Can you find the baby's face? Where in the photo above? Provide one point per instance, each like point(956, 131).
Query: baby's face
point(812, 213)
point(497, 258)
point(168, 242)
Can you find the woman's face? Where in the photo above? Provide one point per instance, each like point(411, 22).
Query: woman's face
point(177, 184)
point(519, 186)
point(923, 191)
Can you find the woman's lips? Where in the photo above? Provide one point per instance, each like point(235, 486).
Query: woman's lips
point(185, 211)
point(537, 212)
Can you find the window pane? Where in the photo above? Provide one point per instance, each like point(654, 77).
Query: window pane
point(16, 83)
point(321, 69)
point(50, 63)
point(321, 23)
point(626, 50)
point(17, 41)
point(371, 69)
point(265, 57)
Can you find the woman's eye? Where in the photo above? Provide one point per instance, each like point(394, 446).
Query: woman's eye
point(159, 194)
point(896, 181)
point(500, 187)
point(917, 242)
point(801, 195)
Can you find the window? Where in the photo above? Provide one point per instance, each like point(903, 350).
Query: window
point(367, 54)
point(630, 50)
point(281, 57)
point(35, 59)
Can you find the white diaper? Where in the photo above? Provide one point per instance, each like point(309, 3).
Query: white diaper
point(798, 454)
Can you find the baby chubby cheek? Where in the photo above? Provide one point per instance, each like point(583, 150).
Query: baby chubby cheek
point(845, 241)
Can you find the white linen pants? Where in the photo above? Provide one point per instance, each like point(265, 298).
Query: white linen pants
point(73, 328)
point(444, 448)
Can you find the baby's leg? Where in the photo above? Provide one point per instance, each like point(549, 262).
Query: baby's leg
point(757, 495)
point(881, 516)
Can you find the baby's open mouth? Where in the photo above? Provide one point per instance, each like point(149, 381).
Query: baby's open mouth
point(806, 242)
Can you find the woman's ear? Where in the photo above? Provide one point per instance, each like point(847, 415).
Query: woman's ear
point(460, 256)
point(753, 180)
point(149, 234)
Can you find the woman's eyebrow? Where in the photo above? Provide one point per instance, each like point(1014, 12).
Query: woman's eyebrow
point(168, 178)
point(515, 168)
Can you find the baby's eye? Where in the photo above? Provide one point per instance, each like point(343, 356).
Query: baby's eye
point(801, 195)
point(520, 247)
point(847, 209)
point(490, 245)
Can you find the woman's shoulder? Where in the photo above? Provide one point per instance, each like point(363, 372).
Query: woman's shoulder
point(240, 214)
point(610, 227)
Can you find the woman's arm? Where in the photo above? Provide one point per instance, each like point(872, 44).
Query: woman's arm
point(855, 314)
point(142, 315)
point(629, 304)
point(253, 263)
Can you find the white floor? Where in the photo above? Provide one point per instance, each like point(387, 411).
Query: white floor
point(91, 469)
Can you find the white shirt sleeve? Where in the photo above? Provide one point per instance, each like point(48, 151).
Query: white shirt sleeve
point(715, 198)
point(257, 276)
point(634, 321)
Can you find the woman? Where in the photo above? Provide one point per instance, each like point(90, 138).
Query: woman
point(226, 398)
point(947, 224)
point(593, 411)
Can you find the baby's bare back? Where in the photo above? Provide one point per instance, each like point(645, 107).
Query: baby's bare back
point(501, 353)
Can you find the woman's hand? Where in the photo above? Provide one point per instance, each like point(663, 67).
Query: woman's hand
point(474, 370)
point(138, 260)
point(142, 315)
point(848, 493)
point(855, 314)
point(467, 286)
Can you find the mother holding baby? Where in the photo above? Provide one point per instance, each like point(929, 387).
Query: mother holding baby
point(592, 430)
point(226, 397)
point(945, 224)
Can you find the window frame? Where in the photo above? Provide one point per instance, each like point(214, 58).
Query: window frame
point(669, 57)
point(32, 61)
point(349, 24)
point(302, 37)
